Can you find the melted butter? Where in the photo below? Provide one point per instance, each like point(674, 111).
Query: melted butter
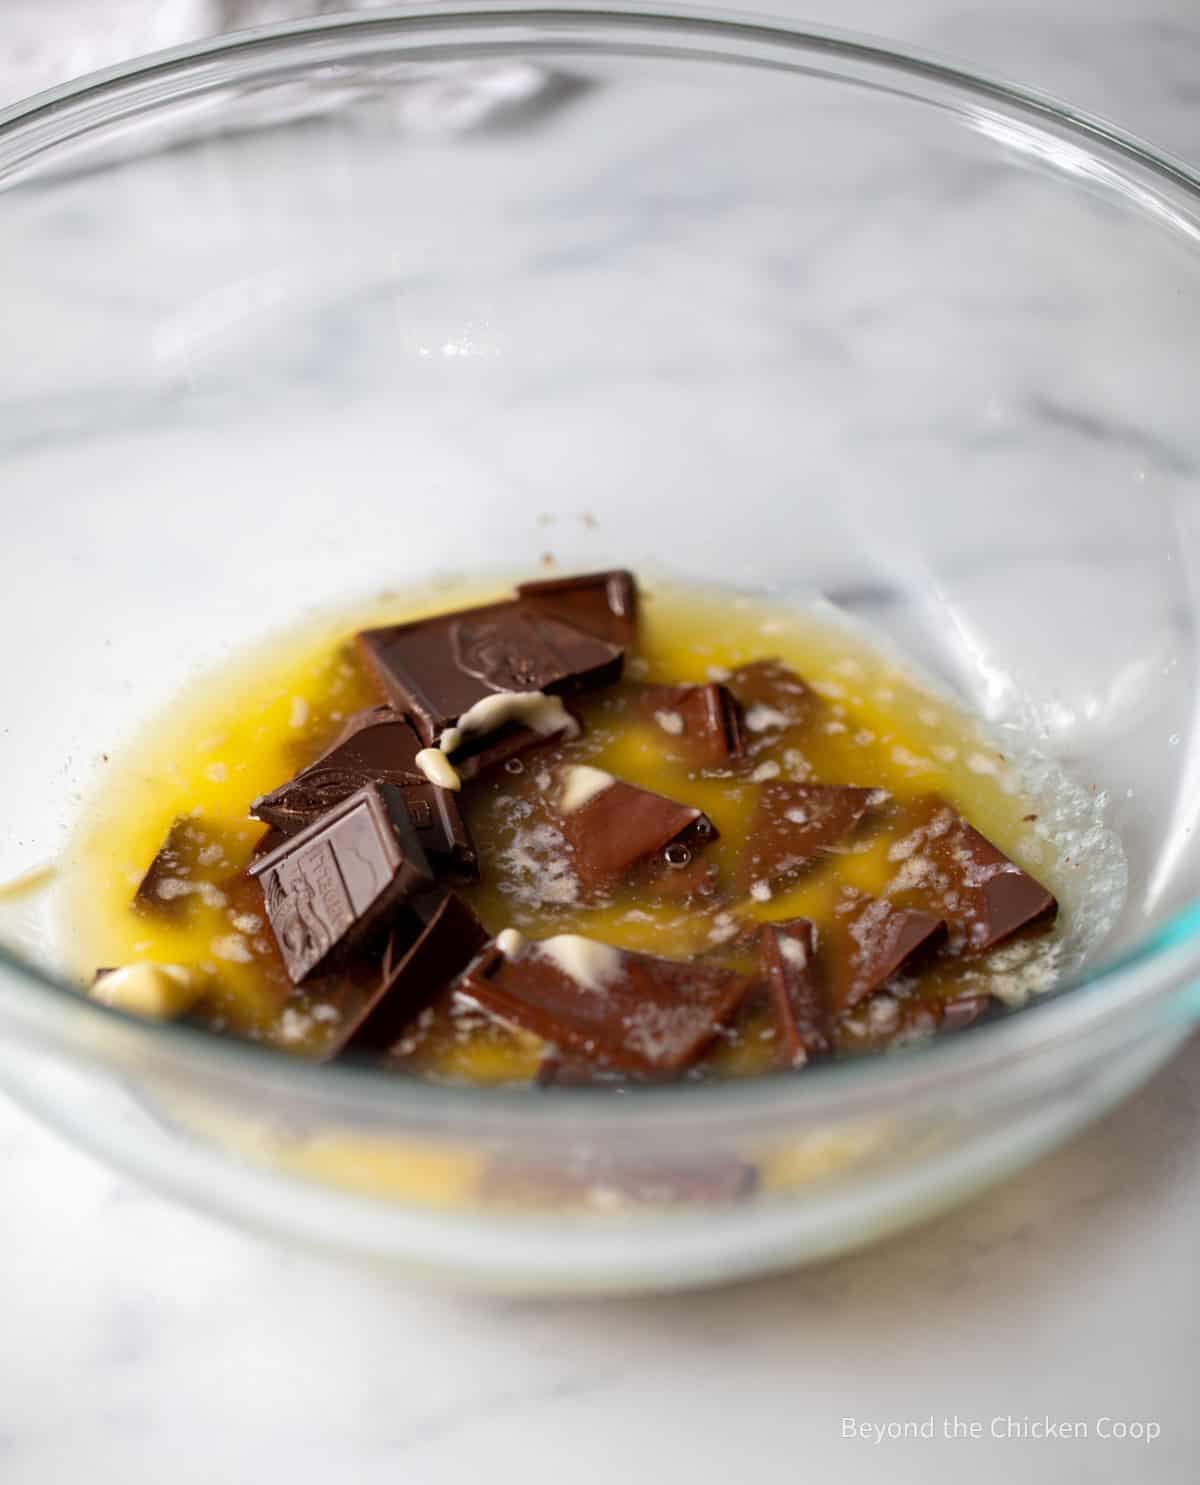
point(245, 731)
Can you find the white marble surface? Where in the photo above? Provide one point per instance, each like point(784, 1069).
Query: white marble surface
point(140, 1342)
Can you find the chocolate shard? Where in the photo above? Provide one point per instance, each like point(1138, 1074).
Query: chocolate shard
point(602, 1182)
point(794, 989)
point(703, 723)
point(627, 1011)
point(621, 827)
point(172, 884)
point(380, 746)
point(436, 669)
point(875, 941)
point(772, 696)
point(411, 976)
point(601, 603)
point(947, 868)
point(793, 824)
point(375, 746)
point(330, 889)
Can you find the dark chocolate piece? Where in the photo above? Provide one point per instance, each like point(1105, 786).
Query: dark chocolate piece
point(708, 731)
point(772, 696)
point(601, 603)
point(875, 941)
point(170, 885)
point(623, 827)
point(411, 976)
point(378, 746)
point(631, 1012)
point(437, 669)
point(794, 824)
point(375, 746)
point(949, 869)
point(600, 1182)
point(794, 990)
point(330, 888)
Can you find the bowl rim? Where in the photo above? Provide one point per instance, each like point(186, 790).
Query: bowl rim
point(1153, 974)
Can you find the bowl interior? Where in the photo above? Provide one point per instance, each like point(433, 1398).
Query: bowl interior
point(344, 311)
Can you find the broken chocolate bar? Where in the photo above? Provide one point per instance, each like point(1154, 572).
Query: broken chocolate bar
point(330, 888)
point(949, 869)
point(629, 1011)
point(772, 696)
point(437, 669)
point(619, 827)
point(794, 990)
point(599, 603)
point(794, 824)
point(875, 941)
point(701, 722)
point(375, 746)
point(411, 976)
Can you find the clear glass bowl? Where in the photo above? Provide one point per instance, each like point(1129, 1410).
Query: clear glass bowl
point(298, 317)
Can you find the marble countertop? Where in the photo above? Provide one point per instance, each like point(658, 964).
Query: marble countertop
point(143, 1342)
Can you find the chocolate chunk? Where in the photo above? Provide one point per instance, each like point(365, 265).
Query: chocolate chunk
point(872, 941)
point(411, 976)
point(949, 869)
point(172, 884)
point(628, 1011)
point(375, 746)
point(771, 695)
point(703, 723)
point(378, 746)
point(601, 603)
point(793, 824)
point(332, 887)
point(437, 669)
point(600, 1181)
point(622, 827)
point(797, 999)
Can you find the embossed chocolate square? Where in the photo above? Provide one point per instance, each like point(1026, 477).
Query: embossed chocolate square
point(437, 669)
point(330, 888)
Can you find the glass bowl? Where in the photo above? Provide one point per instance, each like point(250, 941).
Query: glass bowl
point(330, 309)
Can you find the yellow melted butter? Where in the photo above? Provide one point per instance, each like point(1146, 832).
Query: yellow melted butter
point(241, 733)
